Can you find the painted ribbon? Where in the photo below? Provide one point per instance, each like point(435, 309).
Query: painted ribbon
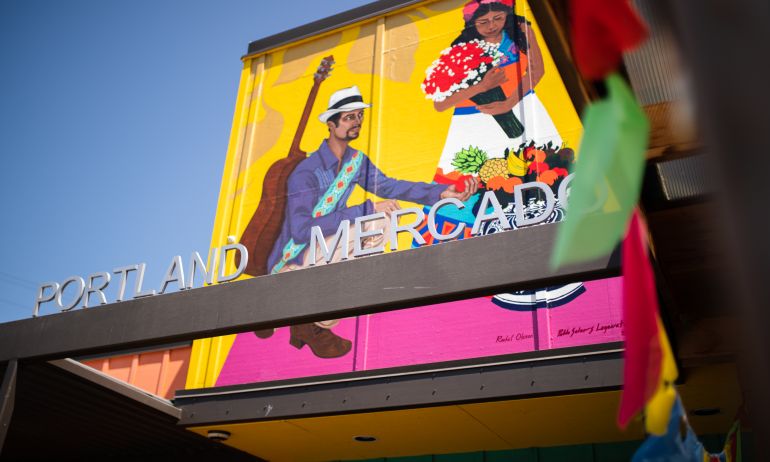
point(325, 205)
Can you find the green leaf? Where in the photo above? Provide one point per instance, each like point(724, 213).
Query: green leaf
point(608, 176)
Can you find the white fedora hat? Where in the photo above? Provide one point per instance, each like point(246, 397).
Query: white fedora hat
point(347, 99)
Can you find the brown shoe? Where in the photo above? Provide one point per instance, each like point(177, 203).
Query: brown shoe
point(323, 342)
point(264, 333)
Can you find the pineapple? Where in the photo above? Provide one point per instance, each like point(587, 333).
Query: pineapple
point(475, 160)
point(493, 168)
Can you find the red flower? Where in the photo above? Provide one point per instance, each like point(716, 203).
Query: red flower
point(458, 66)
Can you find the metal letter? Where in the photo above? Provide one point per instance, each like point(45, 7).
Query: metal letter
point(97, 290)
point(563, 193)
point(79, 295)
point(497, 213)
point(395, 228)
point(195, 262)
point(432, 219)
point(601, 194)
point(42, 298)
point(123, 271)
point(139, 281)
point(518, 205)
point(317, 240)
point(171, 276)
point(223, 256)
point(359, 234)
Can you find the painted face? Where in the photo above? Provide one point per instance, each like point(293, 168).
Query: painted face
point(490, 26)
point(349, 126)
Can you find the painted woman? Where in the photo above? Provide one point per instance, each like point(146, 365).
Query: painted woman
point(473, 124)
point(482, 140)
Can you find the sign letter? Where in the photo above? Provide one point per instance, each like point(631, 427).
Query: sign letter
point(42, 297)
point(223, 258)
point(518, 198)
point(496, 214)
point(139, 281)
point(395, 228)
point(317, 241)
point(174, 273)
point(432, 219)
point(91, 289)
point(359, 234)
point(78, 295)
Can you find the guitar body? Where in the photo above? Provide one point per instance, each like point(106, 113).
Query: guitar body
point(265, 225)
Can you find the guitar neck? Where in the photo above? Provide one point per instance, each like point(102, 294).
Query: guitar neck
point(303, 120)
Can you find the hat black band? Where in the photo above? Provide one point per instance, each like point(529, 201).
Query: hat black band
point(348, 100)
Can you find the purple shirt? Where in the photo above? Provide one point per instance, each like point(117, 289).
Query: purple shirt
point(313, 176)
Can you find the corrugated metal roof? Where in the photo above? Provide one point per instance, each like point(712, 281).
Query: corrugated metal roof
point(652, 67)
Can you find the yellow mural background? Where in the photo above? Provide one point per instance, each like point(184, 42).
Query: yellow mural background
point(403, 135)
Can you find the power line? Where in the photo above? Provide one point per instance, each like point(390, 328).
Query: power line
point(12, 279)
point(12, 304)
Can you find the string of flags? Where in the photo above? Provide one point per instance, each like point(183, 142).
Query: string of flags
point(679, 443)
point(602, 211)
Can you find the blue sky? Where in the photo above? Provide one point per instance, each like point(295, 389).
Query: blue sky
point(114, 122)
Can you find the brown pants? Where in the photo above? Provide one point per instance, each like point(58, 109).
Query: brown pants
point(367, 243)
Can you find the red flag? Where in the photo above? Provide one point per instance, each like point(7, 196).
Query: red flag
point(601, 31)
point(649, 370)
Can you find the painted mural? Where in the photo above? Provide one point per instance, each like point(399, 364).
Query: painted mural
point(358, 134)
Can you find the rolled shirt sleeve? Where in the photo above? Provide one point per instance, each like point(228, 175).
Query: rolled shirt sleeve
point(376, 182)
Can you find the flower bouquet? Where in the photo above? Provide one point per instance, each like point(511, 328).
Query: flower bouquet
point(462, 66)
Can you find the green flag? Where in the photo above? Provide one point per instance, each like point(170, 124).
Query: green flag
point(608, 176)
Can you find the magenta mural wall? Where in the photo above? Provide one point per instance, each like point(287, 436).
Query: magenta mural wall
point(473, 328)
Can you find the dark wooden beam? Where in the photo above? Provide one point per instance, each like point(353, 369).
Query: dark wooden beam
point(486, 265)
point(555, 371)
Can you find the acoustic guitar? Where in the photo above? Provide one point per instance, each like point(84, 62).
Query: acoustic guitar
point(265, 226)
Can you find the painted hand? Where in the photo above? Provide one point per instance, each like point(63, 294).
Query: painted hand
point(498, 107)
point(471, 186)
point(492, 79)
point(388, 206)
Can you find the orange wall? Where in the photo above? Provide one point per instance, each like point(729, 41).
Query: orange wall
point(158, 372)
